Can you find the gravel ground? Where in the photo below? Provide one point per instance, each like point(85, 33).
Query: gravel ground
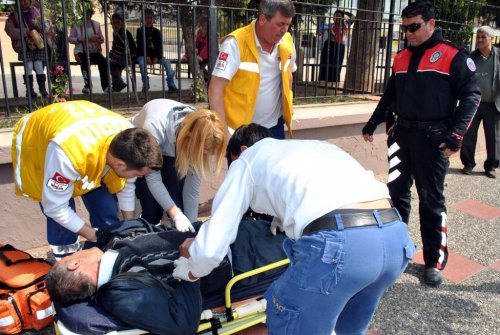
point(470, 307)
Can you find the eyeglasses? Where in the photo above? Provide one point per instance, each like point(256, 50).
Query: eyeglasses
point(411, 27)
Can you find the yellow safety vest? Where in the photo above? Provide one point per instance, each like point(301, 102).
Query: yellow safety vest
point(82, 129)
point(240, 94)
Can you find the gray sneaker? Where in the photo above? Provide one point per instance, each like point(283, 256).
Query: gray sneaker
point(467, 170)
point(490, 173)
point(85, 90)
point(433, 277)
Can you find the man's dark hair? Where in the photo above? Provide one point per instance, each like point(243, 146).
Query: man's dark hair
point(270, 7)
point(424, 8)
point(246, 135)
point(68, 287)
point(138, 148)
point(116, 16)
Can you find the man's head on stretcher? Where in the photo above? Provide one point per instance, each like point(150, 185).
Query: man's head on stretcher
point(74, 277)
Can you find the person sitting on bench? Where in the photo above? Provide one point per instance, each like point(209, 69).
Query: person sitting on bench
point(150, 51)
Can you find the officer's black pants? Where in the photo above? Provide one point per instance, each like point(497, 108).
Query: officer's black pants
point(413, 157)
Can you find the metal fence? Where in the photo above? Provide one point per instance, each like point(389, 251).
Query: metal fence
point(373, 38)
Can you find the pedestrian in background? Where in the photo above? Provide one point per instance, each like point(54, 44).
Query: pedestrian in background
point(333, 52)
point(487, 59)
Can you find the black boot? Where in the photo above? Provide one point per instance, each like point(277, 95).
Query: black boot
point(30, 91)
point(41, 79)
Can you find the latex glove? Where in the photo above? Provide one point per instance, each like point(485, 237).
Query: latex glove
point(181, 271)
point(274, 225)
point(182, 222)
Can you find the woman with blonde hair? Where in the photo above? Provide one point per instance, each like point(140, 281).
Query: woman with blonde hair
point(193, 147)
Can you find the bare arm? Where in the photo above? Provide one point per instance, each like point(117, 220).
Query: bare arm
point(216, 96)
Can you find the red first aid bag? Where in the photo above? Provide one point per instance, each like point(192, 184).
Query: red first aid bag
point(24, 300)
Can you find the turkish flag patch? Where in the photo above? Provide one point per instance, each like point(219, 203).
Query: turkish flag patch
point(223, 55)
point(58, 183)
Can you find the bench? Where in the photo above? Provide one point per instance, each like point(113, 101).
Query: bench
point(13, 66)
point(155, 70)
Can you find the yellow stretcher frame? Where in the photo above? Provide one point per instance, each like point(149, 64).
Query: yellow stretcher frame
point(236, 316)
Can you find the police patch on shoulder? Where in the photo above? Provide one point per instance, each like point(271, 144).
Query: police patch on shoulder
point(58, 183)
point(471, 65)
point(435, 56)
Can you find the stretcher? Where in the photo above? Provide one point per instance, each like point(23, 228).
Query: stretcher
point(242, 306)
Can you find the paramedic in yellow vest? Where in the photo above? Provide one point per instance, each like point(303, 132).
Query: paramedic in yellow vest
point(78, 148)
point(252, 77)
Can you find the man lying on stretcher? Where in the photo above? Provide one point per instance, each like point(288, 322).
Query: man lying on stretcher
point(130, 279)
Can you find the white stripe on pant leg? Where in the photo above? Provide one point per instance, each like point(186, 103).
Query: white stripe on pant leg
point(393, 175)
point(60, 251)
point(443, 240)
point(394, 161)
point(392, 149)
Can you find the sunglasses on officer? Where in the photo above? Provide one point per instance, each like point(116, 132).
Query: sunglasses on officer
point(411, 27)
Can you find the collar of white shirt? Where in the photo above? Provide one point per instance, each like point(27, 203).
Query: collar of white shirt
point(259, 46)
point(106, 267)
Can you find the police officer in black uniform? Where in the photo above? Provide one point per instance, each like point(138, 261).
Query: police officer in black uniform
point(428, 79)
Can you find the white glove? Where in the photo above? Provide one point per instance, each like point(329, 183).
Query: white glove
point(182, 222)
point(181, 271)
point(274, 225)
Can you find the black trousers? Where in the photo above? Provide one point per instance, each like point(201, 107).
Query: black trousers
point(331, 60)
point(490, 116)
point(100, 61)
point(413, 158)
point(151, 210)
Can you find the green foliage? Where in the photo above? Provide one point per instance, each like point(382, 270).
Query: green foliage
point(458, 24)
point(313, 7)
point(7, 8)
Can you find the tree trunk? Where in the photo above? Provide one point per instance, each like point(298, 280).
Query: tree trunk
point(360, 75)
point(199, 87)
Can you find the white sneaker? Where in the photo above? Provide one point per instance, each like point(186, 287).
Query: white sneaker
point(86, 90)
point(106, 90)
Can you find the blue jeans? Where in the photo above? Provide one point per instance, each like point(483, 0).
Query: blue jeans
point(103, 210)
point(166, 65)
point(336, 278)
point(278, 130)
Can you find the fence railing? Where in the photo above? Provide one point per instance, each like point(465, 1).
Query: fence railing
point(361, 66)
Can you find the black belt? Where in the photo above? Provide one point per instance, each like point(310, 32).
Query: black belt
point(410, 124)
point(351, 218)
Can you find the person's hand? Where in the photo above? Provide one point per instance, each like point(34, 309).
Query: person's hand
point(368, 138)
point(452, 145)
point(368, 130)
point(184, 247)
point(182, 222)
point(88, 233)
point(148, 60)
point(155, 60)
point(181, 271)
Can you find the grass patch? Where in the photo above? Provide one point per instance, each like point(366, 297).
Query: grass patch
point(327, 100)
point(8, 122)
